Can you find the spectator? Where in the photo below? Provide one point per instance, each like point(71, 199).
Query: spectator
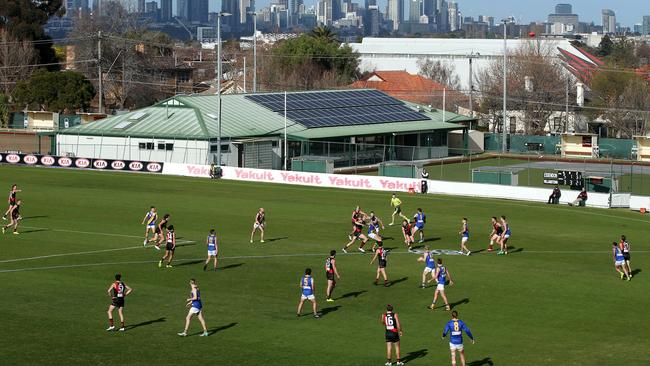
point(581, 200)
point(424, 186)
point(554, 198)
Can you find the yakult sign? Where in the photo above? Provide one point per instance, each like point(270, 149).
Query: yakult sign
point(297, 178)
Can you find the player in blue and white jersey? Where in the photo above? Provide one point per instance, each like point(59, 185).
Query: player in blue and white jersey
point(619, 261)
point(196, 307)
point(419, 219)
point(442, 277)
point(307, 287)
point(373, 232)
point(213, 249)
point(503, 240)
point(149, 221)
point(464, 237)
point(455, 327)
point(429, 266)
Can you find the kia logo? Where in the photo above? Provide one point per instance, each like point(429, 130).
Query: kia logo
point(30, 159)
point(118, 165)
point(82, 163)
point(47, 160)
point(13, 158)
point(100, 164)
point(0, 157)
point(136, 165)
point(154, 167)
point(65, 162)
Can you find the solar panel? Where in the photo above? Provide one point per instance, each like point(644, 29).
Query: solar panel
point(339, 108)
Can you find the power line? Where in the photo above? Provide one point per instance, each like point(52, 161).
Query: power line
point(45, 41)
point(46, 64)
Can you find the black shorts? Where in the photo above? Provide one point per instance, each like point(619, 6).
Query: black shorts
point(356, 234)
point(392, 337)
point(15, 215)
point(157, 230)
point(330, 276)
point(382, 264)
point(118, 302)
point(626, 256)
point(170, 247)
point(398, 210)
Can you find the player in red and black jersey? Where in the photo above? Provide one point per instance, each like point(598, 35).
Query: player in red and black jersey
point(495, 234)
point(159, 236)
point(394, 331)
point(118, 290)
point(259, 224)
point(407, 231)
point(170, 247)
point(357, 215)
point(330, 272)
point(14, 214)
point(12, 200)
point(382, 255)
point(357, 233)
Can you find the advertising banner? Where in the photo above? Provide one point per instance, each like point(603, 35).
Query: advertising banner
point(81, 163)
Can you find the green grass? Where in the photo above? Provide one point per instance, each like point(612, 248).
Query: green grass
point(557, 301)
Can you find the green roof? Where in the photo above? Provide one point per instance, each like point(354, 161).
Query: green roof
point(195, 117)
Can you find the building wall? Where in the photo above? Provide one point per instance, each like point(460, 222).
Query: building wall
point(184, 151)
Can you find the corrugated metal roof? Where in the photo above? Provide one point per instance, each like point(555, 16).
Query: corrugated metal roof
point(195, 117)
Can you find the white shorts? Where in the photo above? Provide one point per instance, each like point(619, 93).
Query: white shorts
point(151, 226)
point(373, 236)
point(619, 263)
point(464, 239)
point(212, 252)
point(456, 347)
point(506, 236)
point(194, 310)
point(440, 287)
point(258, 226)
point(308, 297)
point(428, 270)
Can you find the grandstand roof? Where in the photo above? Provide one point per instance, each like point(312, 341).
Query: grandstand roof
point(195, 117)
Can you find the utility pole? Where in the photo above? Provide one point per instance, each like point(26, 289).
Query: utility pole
point(123, 77)
point(254, 15)
point(504, 142)
point(471, 56)
point(566, 107)
point(218, 79)
point(244, 74)
point(99, 71)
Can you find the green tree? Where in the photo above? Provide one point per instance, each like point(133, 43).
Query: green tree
point(24, 20)
point(55, 91)
point(623, 54)
point(605, 47)
point(324, 33)
point(308, 62)
point(4, 111)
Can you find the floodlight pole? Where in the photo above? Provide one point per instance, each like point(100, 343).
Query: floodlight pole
point(285, 131)
point(219, 15)
point(504, 144)
point(444, 104)
point(254, 14)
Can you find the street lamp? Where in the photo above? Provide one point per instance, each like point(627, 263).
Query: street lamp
point(254, 14)
point(504, 143)
point(219, 73)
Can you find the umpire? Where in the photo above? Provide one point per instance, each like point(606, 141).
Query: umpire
point(424, 186)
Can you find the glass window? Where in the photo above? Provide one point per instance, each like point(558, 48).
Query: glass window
point(145, 145)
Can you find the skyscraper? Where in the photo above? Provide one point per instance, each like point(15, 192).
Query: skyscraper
point(231, 7)
point(371, 23)
point(442, 16)
point(336, 9)
point(609, 21)
point(453, 16)
point(429, 9)
point(244, 8)
point(563, 9)
point(182, 9)
point(165, 10)
point(415, 11)
point(645, 26)
point(141, 6)
point(395, 12)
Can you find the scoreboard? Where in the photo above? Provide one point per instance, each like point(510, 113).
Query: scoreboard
point(564, 178)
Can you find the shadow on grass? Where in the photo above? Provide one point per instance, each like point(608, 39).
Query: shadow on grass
point(275, 239)
point(483, 362)
point(219, 329)
point(328, 310)
point(354, 294)
point(516, 250)
point(189, 263)
point(395, 282)
point(387, 238)
point(148, 322)
point(431, 239)
point(31, 231)
point(478, 251)
point(636, 272)
point(230, 266)
point(35, 217)
point(459, 302)
point(183, 245)
point(412, 356)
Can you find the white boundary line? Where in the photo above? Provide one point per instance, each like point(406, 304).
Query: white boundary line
point(275, 256)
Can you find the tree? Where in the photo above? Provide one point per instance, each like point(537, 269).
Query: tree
point(442, 73)
point(24, 20)
point(58, 91)
point(605, 47)
point(4, 111)
point(15, 58)
point(307, 62)
point(324, 33)
point(536, 85)
point(643, 53)
point(623, 54)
